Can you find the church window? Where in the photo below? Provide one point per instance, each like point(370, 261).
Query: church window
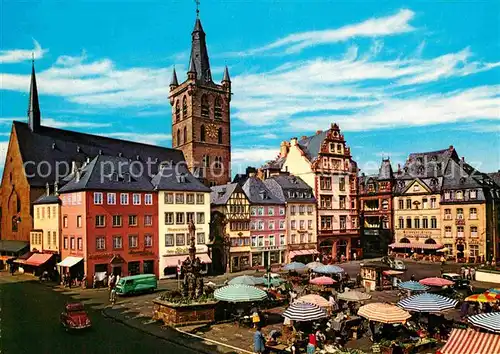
point(184, 108)
point(205, 110)
point(218, 108)
point(218, 162)
point(179, 141)
point(202, 133)
point(177, 112)
point(219, 135)
point(185, 135)
point(206, 161)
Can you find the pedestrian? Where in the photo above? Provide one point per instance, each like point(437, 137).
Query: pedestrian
point(443, 260)
point(467, 273)
point(259, 343)
point(473, 273)
point(462, 272)
point(255, 318)
point(112, 296)
point(412, 278)
point(312, 343)
point(84, 281)
point(396, 349)
point(355, 256)
point(117, 279)
point(94, 281)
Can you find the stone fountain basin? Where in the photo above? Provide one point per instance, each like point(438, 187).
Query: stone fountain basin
point(178, 314)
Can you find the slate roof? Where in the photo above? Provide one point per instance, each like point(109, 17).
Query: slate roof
point(177, 178)
point(199, 54)
point(312, 144)
point(495, 176)
point(427, 164)
point(64, 146)
point(385, 170)
point(276, 164)
point(257, 192)
point(220, 194)
point(287, 188)
point(47, 199)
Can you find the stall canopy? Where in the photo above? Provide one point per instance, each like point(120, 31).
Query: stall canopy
point(463, 341)
point(423, 246)
point(489, 321)
point(22, 259)
point(37, 259)
point(302, 253)
point(70, 261)
point(13, 246)
point(174, 261)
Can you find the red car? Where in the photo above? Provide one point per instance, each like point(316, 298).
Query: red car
point(75, 317)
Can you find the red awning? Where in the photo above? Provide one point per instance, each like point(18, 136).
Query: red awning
point(424, 246)
point(302, 252)
point(37, 259)
point(469, 341)
point(173, 261)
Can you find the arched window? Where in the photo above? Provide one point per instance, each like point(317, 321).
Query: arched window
point(219, 135)
point(205, 109)
point(430, 241)
point(177, 112)
point(179, 141)
point(185, 135)
point(184, 108)
point(404, 240)
point(202, 133)
point(206, 161)
point(218, 108)
point(218, 162)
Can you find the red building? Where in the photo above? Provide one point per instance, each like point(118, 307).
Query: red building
point(109, 224)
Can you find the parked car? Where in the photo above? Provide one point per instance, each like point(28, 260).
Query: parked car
point(460, 283)
point(135, 284)
point(395, 264)
point(74, 316)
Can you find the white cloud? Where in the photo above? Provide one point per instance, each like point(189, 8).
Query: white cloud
point(18, 55)
point(55, 123)
point(4, 146)
point(152, 139)
point(251, 156)
point(371, 28)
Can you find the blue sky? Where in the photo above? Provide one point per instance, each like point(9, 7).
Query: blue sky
point(398, 77)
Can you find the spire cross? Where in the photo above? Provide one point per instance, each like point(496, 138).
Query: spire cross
point(197, 8)
point(33, 57)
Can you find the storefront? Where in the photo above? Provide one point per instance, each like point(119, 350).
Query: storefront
point(263, 257)
point(302, 253)
point(240, 258)
point(170, 261)
point(73, 265)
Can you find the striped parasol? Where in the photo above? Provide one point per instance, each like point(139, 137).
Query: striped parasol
point(436, 281)
point(328, 269)
point(384, 313)
point(493, 292)
point(465, 341)
point(313, 265)
point(489, 321)
point(430, 303)
point(303, 312)
point(481, 298)
point(295, 266)
point(239, 293)
point(246, 280)
point(315, 300)
point(354, 295)
point(322, 281)
point(413, 286)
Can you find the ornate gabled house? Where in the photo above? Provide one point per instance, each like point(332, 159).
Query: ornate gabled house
point(324, 162)
point(417, 197)
point(375, 203)
point(230, 227)
point(469, 213)
point(301, 231)
point(201, 115)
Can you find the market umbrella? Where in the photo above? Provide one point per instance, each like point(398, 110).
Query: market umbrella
point(384, 313)
point(272, 281)
point(353, 295)
point(494, 291)
point(315, 300)
point(481, 298)
point(393, 272)
point(322, 281)
point(435, 281)
point(444, 250)
point(246, 280)
point(303, 312)
point(413, 286)
point(313, 265)
point(295, 266)
point(489, 321)
point(328, 269)
point(430, 303)
point(239, 293)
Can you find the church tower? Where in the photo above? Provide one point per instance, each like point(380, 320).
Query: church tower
point(200, 115)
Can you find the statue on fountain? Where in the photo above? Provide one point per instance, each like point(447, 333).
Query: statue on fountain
point(192, 286)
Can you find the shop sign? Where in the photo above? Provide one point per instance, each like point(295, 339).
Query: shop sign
point(182, 229)
point(100, 256)
point(418, 233)
point(371, 232)
point(185, 250)
point(269, 248)
point(141, 253)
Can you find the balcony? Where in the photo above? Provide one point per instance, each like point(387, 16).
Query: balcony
point(447, 216)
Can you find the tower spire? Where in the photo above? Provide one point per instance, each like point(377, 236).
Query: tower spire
point(174, 82)
point(33, 104)
point(199, 52)
point(226, 77)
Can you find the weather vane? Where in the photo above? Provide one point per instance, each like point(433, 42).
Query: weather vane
point(197, 8)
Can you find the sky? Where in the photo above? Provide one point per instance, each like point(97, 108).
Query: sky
point(397, 76)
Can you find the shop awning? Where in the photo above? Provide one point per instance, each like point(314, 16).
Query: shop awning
point(302, 253)
point(392, 272)
point(13, 246)
point(174, 261)
point(38, 259)
point(424, 246)
point(69, 261)
point(468, 341)
point(6, 258)
point(22, 259)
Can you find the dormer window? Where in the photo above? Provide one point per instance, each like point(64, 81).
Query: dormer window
point(434, 182)
point(263, 195)
point(462, 180)
point(421, 169)
point(416, 188)
point(473, 194)
point(459, 195)
point(420, 160)
point(446, 195)
point(434, 158)
point(181, 178)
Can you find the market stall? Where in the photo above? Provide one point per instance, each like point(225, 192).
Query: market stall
point(373, 277)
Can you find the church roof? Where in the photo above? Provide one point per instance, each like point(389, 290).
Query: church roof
point(199, 54)
point(50, 147)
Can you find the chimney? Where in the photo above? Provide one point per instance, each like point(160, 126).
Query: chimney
point(73, 167)
point(283, 149)
point(293, 141)
point(399, 167)
point(452, 148)
point(47, 189)
point(251, 174)
point(56, 188)
point(318, 132)
point(78, 175)
point(463, 159)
